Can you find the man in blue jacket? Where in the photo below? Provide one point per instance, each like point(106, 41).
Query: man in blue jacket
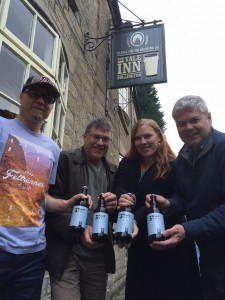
point(200, 193)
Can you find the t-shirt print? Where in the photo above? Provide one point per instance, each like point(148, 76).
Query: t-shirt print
point(24, 172)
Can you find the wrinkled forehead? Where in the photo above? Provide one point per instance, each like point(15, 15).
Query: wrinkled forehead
point(188, 112)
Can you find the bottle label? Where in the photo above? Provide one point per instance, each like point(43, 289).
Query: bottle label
point(155, 224)
point(100, 223)
point(125, 222)
point(79, 216)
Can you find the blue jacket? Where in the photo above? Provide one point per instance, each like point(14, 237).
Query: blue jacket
point(200, 193)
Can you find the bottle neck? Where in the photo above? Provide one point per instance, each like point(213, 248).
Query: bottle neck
point(84, 191)
point(101, 202)
point(153, 204)
point(128, 208)
point(155, 210)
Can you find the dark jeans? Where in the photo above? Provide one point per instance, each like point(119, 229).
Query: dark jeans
point(21, 275)
point(213, 279)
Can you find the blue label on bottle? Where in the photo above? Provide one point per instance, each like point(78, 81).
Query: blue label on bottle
point(155, 224)
point(125, 222)
point(79, 216)
point(100, 223)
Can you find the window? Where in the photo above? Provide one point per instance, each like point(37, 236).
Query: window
point(60, 107)
point(8, 107)
point(19, 21)
point(14, 71)
point(31, 29)
point(123, 110)
point(29, 45)
point(44, 50)
point(123, 99)
point(63, 74)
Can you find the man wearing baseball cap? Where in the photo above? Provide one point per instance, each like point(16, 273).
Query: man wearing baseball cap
point(41, 81)
point(28, 163)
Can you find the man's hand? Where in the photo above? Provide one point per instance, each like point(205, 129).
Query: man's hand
point(110, 201)
point(72, 201)
point(162, 203)
point(87, 241)
point(175, 235)
point(60, 205)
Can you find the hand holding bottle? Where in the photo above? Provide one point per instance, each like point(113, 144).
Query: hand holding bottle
point(155, 222)
point(79, 213)
point(173, 237)
point(134, 233)
point(60, 205)
point(125, 220)
point(162, 203)
point(73, 201)
point(126, 200)
point(110, 201)
point(87, 241)
point(100, 221)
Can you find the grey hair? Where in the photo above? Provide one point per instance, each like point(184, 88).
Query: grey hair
point(98, 123)
point(190, 102)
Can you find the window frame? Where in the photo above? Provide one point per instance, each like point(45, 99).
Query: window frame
point(54, 125)
point(124, 103)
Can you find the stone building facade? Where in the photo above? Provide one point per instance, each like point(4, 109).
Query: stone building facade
point(54, 46)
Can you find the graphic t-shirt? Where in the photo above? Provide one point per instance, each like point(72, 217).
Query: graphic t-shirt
point(28, 163)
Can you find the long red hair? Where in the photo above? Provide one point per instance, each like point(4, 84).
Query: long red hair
point(164, 154)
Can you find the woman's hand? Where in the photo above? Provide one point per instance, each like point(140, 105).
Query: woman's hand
point(126, 200)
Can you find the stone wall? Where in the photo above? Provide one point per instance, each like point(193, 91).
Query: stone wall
point(116, 281)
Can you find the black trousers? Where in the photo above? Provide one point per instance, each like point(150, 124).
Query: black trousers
point(213, 278)
point(171, 275)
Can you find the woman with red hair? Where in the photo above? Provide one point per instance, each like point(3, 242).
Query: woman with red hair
point(149, 168)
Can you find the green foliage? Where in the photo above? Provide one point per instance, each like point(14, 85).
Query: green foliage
point(149, 104)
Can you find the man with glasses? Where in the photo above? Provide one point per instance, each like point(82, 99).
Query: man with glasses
point(28, 164)
point(78, 268)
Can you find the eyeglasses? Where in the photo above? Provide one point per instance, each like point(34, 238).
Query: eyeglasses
point(96, 137)
point(36, 95)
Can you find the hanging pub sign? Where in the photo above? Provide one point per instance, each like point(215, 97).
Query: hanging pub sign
point(138, 56)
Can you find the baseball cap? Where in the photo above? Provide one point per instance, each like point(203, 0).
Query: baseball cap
point(41, 81)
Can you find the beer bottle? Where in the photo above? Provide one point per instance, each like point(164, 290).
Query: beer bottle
point(79, 213)
point(155, 222)
point(124, 224)
point(100, 221)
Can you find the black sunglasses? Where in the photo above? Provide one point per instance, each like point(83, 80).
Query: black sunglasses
point(36, 95)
